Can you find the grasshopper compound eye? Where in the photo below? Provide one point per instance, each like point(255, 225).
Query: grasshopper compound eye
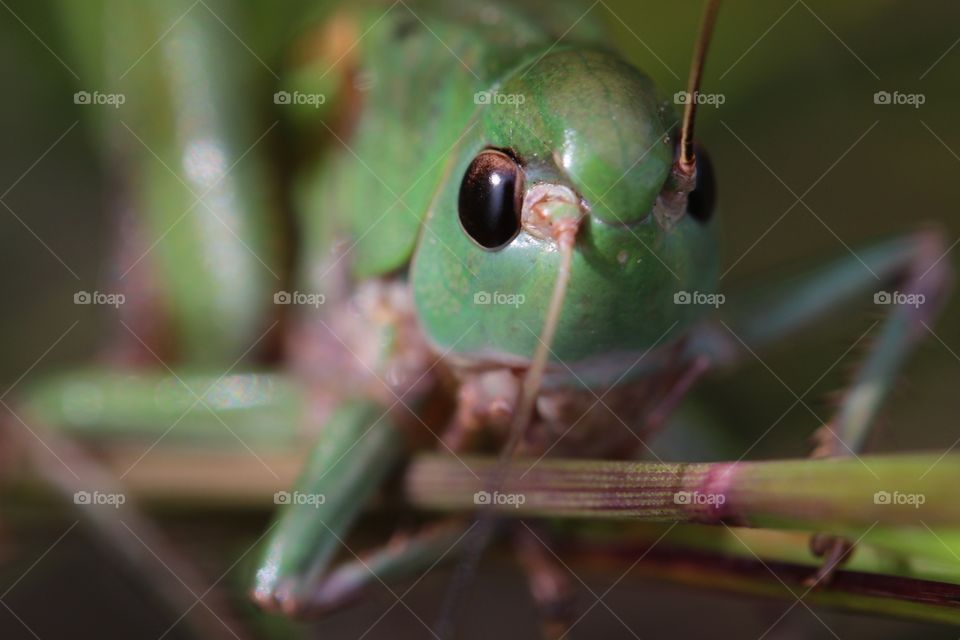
point(491, 199)
point(702, 198)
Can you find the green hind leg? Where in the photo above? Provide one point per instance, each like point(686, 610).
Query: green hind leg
point(192, 408)
point(358, 448)
point(908, 277)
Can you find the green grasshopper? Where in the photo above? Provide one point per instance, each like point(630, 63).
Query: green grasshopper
point(507, 224)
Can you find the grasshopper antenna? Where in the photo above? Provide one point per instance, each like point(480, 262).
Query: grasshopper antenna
point(483, 527)
point(688, 160)
point(531, 381)
point(673, 201)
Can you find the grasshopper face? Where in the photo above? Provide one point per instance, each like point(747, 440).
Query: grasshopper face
point(579, 138)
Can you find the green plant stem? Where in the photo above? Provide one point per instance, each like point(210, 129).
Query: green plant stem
point(900, 510)
point(838, 495)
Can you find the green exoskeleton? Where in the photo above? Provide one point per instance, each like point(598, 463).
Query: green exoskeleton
point(500, 232)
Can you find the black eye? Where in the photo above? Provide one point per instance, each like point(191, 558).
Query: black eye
point(702, 199)
point(490, 199)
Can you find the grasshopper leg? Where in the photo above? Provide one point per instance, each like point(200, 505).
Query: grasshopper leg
point(913, 265)
point(402, 557)
point(756, 319)
point(49, 430)
point(549, 583)
point(675, 394)
point(356, 451)
point(926, 280)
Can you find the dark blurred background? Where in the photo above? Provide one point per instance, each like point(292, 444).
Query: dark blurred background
point(799, 80)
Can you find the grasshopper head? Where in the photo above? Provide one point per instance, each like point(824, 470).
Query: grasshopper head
point(576, 145)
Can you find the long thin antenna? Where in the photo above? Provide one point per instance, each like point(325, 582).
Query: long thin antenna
point(687, 158)
point(484, 528)
point(531, 381)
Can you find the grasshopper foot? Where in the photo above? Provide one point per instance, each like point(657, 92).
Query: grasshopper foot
point(834, 550)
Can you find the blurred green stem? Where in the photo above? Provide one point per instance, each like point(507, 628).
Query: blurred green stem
point(837, 495)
